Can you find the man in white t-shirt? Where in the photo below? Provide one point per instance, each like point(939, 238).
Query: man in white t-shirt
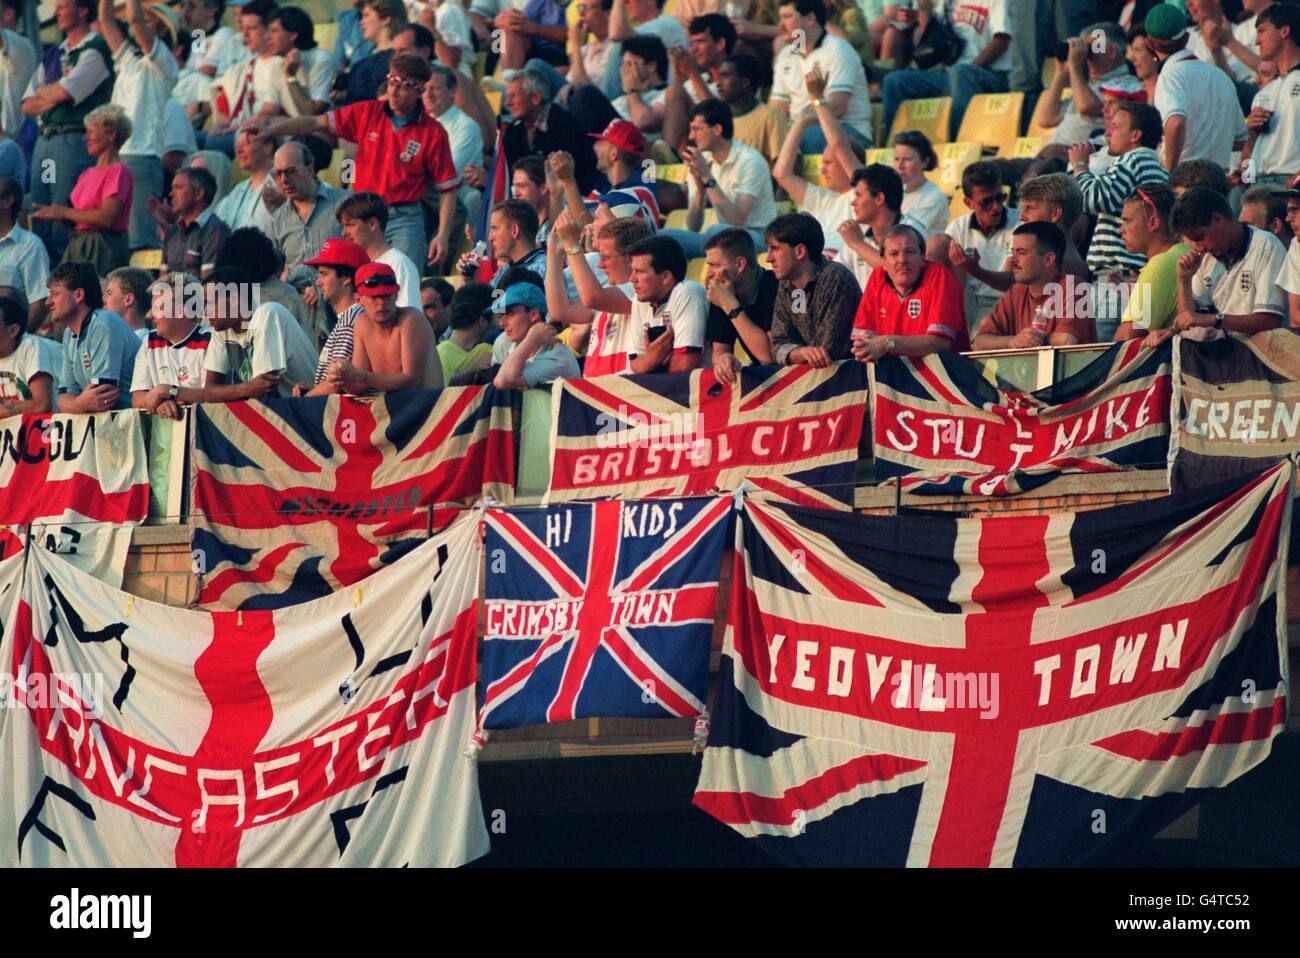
point(364, 217)
point(983, 66)
point(671, 312)
point(1289, 279)
point(1186, 85)
point(1272, 151)
point(222, 47)
point(629, 18)
point(254, 352)
point(29, 364)
point(876, 208)
point(1229, 281)
point(1097, 56)
point(809, 47)
point(307, 72)
point(1207, 39)
point(172, 356)
point(644, 77)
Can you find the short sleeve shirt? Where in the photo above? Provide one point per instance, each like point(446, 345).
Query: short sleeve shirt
point(1186, 85)
point(842, 67)
point(993, 250)
point(722, 330)
point(1154, 300)
point(544, 366)
point(271, 342)
point(104, 350)
point(1277, 151)
point(399, 163)
point(978, 22)
point(1249, 285)
point(34, 356)
point(162, 362)
point(1015, 313)
point(686, 309)
point(933, 308)
point(611, 342)
point(744, 172)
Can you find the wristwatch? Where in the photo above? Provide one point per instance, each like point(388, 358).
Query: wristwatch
point(889, 344)
point(817, 101)
point(574, 251)
point(711, 183)
point(735, 312)
point(174, 391)
point(1218, 320)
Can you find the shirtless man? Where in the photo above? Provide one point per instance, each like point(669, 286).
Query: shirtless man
point(392, 347)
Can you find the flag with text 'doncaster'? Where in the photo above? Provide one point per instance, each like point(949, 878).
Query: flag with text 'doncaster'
point(601, 609)
point(329, 734)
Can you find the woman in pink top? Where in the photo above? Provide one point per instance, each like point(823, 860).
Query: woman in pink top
point(101, 200)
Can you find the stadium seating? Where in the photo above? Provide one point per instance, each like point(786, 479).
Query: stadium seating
point(327, 35)
point(1023, 147)
point(810, 168)
point(992, 119)
point(671, 173)
point(696, 269)
point(953, 159)
point(334, 174)
point(147, 259)
point(957, 205)
point(884, 155)
point(676, 220)
point(494, 99)
point(1046, 131)
point(932, 117)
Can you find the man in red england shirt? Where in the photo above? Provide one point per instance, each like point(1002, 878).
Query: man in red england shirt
point(911, 307)
point(401, 152)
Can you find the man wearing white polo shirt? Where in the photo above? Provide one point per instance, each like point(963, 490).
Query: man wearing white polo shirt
point(1229, 279)
point(23, 254)
point(731, 176)
point(809, 46)
point(1272, 151)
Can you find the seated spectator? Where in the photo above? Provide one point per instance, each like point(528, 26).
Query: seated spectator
point(809, 47)
point(815, 300)
point(633, 18)
point(922, 200)
point(910, 307)
point(732, 177)
point(742, 299)
point(831, 202)
point(126, 292)
point(1097, 56)
point(23, 253)
point(452, 37)
point(1264, 207)
point(364, 218)
point(538, 30)
point(1192, 173)
point(381, 21)
point(192, 234)
point(255, 350)
point(1211, 38)
point(670, 313)
point(1272, 151)
point(336, 276)
point(28, 364)
point(512, 238)
point(1146, 68)
point(351, 47)
point(247, 203)
point(222, 48)
point(540, 126)
point(307, 72)
point(755, 124)
point(392, 346)
point(528, 183)
point(643, 79)
point(694, 73)
point(464, 135)
point(465, 353)
point(300, 227)
point(1146, 231)
point(1229, 280)
point(1289, 278)
point(101, 201)
point(98, 346)
point(621, 153)
point(588, 46)
point(1035, 310)
point(173, 353)
point(982, 238)
point(527, 353)
point(436, 295)
point(249, 88)
point(876, 205)
point(252, 251)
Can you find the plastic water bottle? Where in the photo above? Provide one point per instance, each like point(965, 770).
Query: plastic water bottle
point(1040, 321)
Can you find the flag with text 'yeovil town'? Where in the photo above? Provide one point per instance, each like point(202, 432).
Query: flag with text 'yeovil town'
point(791, 431)
point(295, 498)
point(1236, 406)
point(941, 428)
point(329, 734)
point(81, 482)
point(1013, 690)
point(600, 609)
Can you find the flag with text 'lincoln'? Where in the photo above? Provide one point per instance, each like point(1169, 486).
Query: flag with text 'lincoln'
point(295, 498)
point(329, 734)
point(601, 609)
point(1012, 690)
point(791, 431)
point(941, 428)
point(80, 482)
point(1236, 406)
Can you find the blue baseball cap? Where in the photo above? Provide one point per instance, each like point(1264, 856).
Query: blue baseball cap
point(521, 294)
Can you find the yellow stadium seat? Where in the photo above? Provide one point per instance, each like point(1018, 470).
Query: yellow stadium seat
point(676, 220)
point(1046, 131)
point(456, 281)
point(992, 119)
point(953, 159)
point(671, 172)
point(334, 175)
point(783, 207)
point(710, 217)
point(147, 259)
point(877, 123)
point(957, 205)
point(661, 152)
point(762, 259)
point(669, 9)
point(1023, 147)
point(883, 155)
point(696, 269)
point(931, 116)
point(810, 168)
point(493, 98)
point(327, 35)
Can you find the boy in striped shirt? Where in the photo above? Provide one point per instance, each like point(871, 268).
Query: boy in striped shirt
point(173, 351)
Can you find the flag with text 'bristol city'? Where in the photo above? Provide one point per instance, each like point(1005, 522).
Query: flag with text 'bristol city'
point(1013, 690)
point(295, 498)
point(941, 428)
point(602, 609)
point(329, 734)
point(81, 482)
point(791, 431)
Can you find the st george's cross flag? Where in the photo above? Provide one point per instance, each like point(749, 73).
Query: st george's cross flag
point(791, 431)
point(330, 734)
point(939, 427)
point(937, 691)
point(295, 498)
point(78, 482)
point(601, 609)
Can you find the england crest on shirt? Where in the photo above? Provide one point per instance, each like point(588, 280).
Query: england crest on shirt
point(409, 153)
point(914, 308)
point(1245, 281)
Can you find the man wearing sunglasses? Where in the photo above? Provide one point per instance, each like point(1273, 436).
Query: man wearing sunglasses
point(983, 238)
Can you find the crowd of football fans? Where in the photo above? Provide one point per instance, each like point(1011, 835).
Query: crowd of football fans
point(203, 203)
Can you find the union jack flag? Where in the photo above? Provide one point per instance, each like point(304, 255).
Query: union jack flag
point(937, 691)
point(941, 428)
point(296, 498)
point(600, 609)
point(792, 431)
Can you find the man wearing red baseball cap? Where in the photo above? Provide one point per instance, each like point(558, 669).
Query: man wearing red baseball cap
point(392, 347)
point(336, 269)
point(621, 152)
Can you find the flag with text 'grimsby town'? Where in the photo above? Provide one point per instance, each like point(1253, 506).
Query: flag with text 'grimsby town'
point(295, 498)
point(941, 428)
point(1236, 406)
point(935, 691)
point(328, 734)
point(81, 482)
point(791, 431)
point(600, 609)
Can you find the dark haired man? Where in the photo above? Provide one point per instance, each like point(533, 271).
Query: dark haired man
point(28, 364)
point(512, 236)
point(392, 347)
point(17, 64)
point(307, 71)
point(336, 278)
point(982, 237)
point(875, 201)
point(742, 299)
point(22, 253)
point(1272, 150)
point(222, 46)
point(815, 301)
point(363, 218)
point(756, 124)
point(667, 300)
point(644, 76)
point(527, 352)
point(465, 353)
point(173, 351)
point(191, 242)
point(98, 346)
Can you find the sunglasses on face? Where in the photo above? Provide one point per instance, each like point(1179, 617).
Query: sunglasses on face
point(990, 201)
point(395, 82)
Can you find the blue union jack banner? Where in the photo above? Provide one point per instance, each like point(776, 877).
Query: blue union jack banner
point(296, 498)
point(600, 609)
point(1022, 690)
point(791, 431)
